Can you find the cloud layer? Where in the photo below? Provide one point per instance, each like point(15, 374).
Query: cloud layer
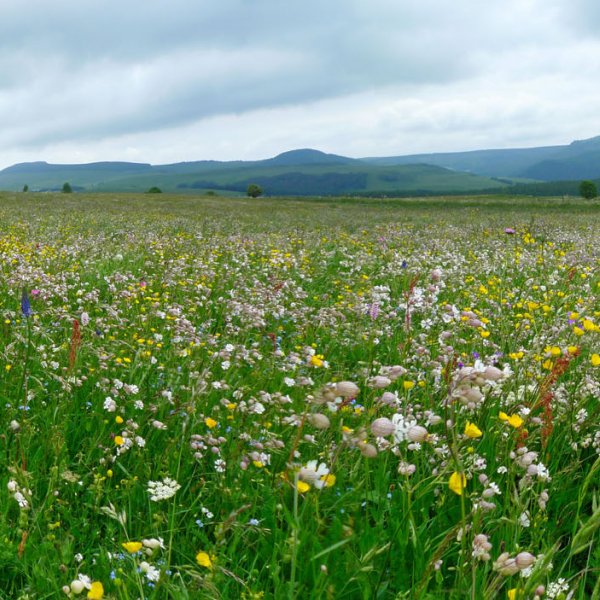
point(169, 80)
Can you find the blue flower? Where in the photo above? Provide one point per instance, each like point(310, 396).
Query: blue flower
point(26, 304)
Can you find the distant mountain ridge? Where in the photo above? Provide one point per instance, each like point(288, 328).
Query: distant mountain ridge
point(308, 171)
point(578, 160)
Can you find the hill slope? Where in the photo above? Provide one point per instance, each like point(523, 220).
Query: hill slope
point(299, 172)
point(578, 160)
point(311, 172)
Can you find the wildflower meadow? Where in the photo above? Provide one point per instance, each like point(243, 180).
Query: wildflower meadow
point(207, 398)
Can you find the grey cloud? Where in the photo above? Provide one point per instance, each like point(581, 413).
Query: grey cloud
point(84, 71)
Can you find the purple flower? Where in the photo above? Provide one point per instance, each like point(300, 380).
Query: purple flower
point(509, 231)
point(26, 304)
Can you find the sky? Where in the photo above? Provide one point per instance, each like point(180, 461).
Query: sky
point(164, 81)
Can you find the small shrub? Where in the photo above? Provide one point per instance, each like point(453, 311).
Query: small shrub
point(588, 190)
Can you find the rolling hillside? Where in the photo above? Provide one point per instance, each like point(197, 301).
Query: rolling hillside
point(578, 160)
point(311, 172)
point(298, 172)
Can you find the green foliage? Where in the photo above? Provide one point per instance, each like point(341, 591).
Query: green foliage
point(25, 188)
point(588, 190)
point(154, 190)
point(253, 190)
point(66, 188)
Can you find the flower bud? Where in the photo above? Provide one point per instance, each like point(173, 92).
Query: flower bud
point(379, 381)
point(319, 420)
point(77, 586)
point(367, 450)
point(382, 427)
point(505, 565)
point(417, 433)
point(347, 389)
point(493, 373)
point(524, 560)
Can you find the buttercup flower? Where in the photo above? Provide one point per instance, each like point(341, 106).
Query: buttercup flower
point(132, 547)
point(457, 482)
point(472, 431)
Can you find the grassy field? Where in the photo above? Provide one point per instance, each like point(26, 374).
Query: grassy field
point(207, 398)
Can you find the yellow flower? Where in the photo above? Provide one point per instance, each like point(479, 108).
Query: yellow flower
point(315, 361)
point(210, 423)
point(329, 480)
point(132, 547)
point(595, 360)
point(472, 431)
point(204, 560)
point(96, 591)
point(302, 487)
point(119, 441)
point(513, 420)
point(457, 482)
point(118, 419)
point(572, 349)
point(408, 385)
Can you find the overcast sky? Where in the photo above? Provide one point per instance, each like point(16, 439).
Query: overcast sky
point(170, 80)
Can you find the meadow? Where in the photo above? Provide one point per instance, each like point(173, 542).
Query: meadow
point(208, 398)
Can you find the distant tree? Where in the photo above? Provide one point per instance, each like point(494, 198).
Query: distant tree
point(154, 190)
point(66, 188)
point(25, 188)
point(254, 191)
point(588, 190)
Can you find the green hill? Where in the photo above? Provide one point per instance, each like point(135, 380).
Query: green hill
point(298, 173)
point(307, 172)
point(578, 160)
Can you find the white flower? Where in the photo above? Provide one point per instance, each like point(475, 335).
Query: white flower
point(314, 474)
point(132, 390)
point(402, 427)
point(524, 519)
point(257, 408)
point(109, 404)
point(151, 572)
point(87, 582)
point(21, 500)
point(162, 490)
